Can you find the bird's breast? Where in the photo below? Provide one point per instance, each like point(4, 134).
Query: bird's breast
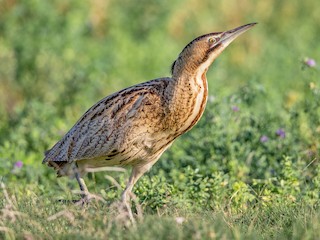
point(192, 103)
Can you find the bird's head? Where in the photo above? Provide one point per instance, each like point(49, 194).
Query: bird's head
point(202, 51)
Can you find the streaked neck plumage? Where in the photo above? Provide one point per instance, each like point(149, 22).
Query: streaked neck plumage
point(190, 92)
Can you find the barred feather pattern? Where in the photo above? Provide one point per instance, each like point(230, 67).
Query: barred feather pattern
point(132, 126)
point(136, 125)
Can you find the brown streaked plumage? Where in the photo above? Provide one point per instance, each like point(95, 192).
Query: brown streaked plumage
point(136, 125)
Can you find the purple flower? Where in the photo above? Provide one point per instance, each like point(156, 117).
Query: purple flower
point(281, 133)
point(310, 62)
point(235, 108)
point(264, 139)
point(18, 164)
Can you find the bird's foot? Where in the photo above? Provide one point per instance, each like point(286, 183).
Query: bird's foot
point(126, 207)
point(123, 213)
point(65, 201)
point(83, 201)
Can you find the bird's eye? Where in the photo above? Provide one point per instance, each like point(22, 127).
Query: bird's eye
point(212, 40)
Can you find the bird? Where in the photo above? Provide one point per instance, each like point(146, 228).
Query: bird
point(134, 126)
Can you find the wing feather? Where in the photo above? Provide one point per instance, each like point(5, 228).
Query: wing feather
point(100, 131)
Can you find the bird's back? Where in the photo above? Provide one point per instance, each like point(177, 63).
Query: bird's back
point(122, 127)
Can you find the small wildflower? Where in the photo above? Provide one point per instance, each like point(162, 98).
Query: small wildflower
point(310, 62)
point(180, 220)
point(18, 164)
point(281, 133)
point(235, 108)
point(17, 167)
point(312, 85)
point(264, 139)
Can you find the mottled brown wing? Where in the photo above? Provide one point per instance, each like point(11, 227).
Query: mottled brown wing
point(101, 130)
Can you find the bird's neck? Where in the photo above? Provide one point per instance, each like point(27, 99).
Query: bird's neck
point(189, 98)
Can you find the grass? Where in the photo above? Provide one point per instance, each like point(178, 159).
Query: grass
point(248, 170)
point(38, 217)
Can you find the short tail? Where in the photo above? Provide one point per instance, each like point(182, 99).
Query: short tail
point(58, 166)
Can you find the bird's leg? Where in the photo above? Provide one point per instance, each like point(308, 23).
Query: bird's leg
point(82, 185)
point(137, 172)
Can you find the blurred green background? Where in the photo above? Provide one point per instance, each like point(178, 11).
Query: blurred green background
point(57, 58)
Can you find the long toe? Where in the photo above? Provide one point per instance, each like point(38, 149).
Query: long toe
point(83, 201)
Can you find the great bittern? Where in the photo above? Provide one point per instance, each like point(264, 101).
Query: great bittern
point(136, 125)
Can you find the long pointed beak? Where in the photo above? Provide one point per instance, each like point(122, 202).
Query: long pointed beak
point(228, 36)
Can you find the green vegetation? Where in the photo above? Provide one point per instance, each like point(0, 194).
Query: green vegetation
point(248, 170)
